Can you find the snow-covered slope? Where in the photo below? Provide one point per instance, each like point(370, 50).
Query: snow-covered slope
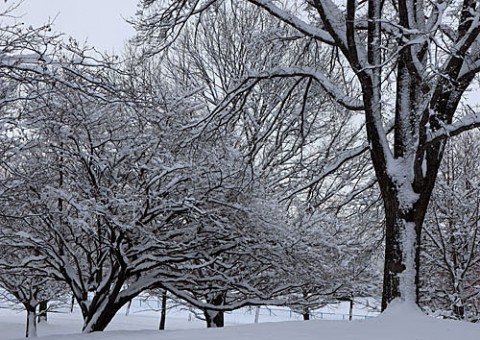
point(399, 323)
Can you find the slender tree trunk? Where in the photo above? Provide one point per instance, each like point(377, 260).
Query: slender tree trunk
point(129, 305)
point(257, 314)
point(163, 315)
point(350, 310)
point(306, 310)
point(31, 327)
point(457, 284)
point(42, 312)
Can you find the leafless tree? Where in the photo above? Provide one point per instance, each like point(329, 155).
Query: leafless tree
point(451, 255)
point(117, 200)
point(27, 286)
point(406, 66)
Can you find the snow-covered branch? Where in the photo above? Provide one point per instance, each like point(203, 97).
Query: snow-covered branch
point(338, 94)
point(294, 20)
point(465, 123)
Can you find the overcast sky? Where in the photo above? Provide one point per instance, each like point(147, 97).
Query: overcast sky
point(100, 22)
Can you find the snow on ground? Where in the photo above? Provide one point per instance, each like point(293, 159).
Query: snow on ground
point(399, 323)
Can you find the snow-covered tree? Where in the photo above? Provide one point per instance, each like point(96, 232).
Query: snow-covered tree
point(29, 287)
point(335, 258)
point(283, 149)
point(29, 59)
point(451, 255)
point(116, 198)
point(405, 67)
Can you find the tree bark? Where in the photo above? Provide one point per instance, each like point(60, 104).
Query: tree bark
point(100, 312)
point(459, 311)
point(403, 232)
point(99, 319)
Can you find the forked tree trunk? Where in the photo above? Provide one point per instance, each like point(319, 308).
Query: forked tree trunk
point(100, 311)
point(215, 319)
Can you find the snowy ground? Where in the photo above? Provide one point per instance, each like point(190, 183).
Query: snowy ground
point(401, 323)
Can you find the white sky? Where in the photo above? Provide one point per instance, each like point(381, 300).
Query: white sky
point(99, 22)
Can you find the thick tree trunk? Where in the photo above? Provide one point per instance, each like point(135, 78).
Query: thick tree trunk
point(401, 255)
point(99, 312)
point(406, 201)
point(459, 311)
point(402, 245)
point(163, 315)
point(212, 317)
point(306, 315)
point(99, 319)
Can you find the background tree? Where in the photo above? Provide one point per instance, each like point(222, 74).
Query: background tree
point(405, 65)
point(332, 262)
point(117, 200)
point(451, 257)
point(29, 287)
point(282, 146)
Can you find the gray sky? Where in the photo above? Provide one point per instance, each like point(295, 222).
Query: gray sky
point(99, 22)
